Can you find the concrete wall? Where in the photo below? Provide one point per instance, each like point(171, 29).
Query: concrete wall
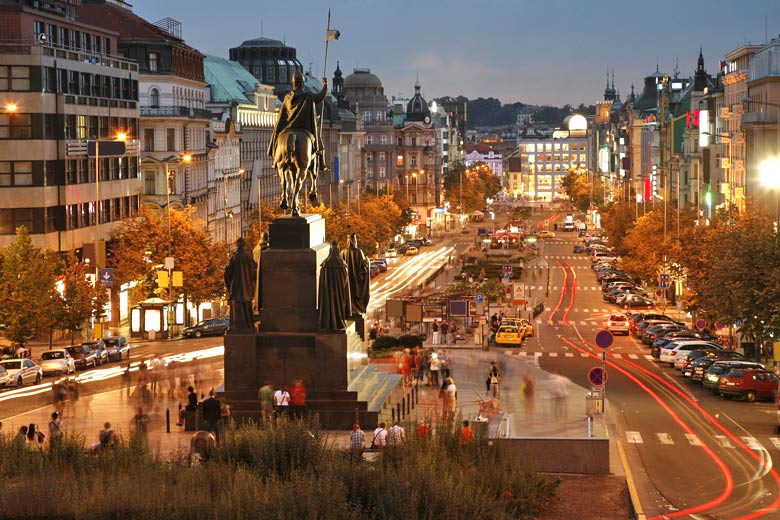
point(554, 455)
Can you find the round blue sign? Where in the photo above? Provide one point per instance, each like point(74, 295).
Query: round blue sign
point(604, 338)
point(597, 376)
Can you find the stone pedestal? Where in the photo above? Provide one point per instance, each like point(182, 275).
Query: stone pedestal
point(290, 345)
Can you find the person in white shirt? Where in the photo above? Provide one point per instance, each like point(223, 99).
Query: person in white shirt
point(281, 402)
point(380, 436)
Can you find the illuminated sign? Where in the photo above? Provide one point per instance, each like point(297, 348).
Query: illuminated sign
point(704, 124)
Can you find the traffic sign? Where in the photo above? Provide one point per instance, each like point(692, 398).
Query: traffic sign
point(604, 338)
point(479, 298)
point(739, 323)
point(701, 324)
point(664, 281)
point(107, 277)
point(597, 376)
point(105, 148)
point(719, 324)
point(507, 270)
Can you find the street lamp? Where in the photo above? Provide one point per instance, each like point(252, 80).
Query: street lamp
point(416, 194)
point(769, 170)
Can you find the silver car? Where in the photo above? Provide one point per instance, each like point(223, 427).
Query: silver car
point(57, 361)
point(23, 371)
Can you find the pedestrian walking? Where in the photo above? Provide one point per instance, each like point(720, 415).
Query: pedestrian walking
point(281, 403)
point(444, 329)
point(435, 367)
point(492, 381)
point(127, 381)
point(449, 400)
point(357, 442)
point(298, 398)
point(528, 391)
point(140, 423)
point(405, 365)
point(423, 431)
point(417, 364)
point(559, 388)
point(266, 397)
point(435, 338)
point(55, 430)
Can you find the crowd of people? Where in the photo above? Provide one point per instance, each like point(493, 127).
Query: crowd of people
point(281, 403)
point(424, 366)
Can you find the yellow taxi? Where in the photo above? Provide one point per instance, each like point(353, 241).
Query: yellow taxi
point(509, 335)
point(525, 326)
point(545, 234)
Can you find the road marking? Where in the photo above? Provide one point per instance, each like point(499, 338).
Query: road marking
point(633, 356)
point(664, 438)
point(584, 354)
point(648, 357)
point(522, 353)
point(723, 441)
point(508, 352)
point(752, 443)
point(693, 439)
point(634, 437)
point(553, 354)
point(775, 441)
point(569, 354)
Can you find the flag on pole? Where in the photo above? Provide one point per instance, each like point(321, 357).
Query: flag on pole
point(333, 34)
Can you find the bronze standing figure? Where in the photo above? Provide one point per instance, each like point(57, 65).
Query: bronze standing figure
point(334, 300)
point(240, 275)
point(359, 268)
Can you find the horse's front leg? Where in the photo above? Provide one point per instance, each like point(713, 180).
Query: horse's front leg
point(297, 183)
point(283, 177)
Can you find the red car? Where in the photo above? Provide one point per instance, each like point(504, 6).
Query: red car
point(751, 384)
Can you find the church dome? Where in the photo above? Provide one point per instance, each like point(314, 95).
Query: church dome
point(361, 78)
point(417, 109)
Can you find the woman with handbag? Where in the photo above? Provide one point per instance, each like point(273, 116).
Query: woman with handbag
point(380, 437)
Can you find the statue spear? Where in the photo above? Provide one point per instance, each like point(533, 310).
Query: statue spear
point(330, 34)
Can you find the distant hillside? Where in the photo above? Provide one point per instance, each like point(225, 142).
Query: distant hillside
point(490, 112)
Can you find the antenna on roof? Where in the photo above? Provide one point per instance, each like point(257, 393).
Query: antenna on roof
point(261, 27)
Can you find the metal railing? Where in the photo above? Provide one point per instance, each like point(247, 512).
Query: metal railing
point(175, 111)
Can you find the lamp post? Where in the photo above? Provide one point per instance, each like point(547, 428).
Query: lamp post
point(241, 172)
point(416, 194)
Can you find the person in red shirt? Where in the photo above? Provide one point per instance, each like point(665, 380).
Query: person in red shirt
point(466, 434)
point(298, 397)
point(423, 431)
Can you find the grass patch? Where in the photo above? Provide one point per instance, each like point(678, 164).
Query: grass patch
point(289, 472)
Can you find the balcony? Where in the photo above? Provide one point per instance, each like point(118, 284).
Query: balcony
point(193, 113)
point(760, 118)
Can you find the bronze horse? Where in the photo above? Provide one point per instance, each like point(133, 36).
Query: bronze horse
point(295, 160)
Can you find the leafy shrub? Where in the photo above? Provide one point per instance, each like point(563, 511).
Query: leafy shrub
point(385, 342)
point(410, 340)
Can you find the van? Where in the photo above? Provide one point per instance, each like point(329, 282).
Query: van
point(568, 226)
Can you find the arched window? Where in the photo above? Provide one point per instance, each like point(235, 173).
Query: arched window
point(154, 98)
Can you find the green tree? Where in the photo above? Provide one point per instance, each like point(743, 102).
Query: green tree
point(81, 299)
point(471, 185)
point(617, 219)
point(30, 301)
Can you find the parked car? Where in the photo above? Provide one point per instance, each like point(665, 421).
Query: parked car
point(391, 252)
point(750, 384)
point(686, 366)
point(373, 270)
point(654, 332)
point(680, 353)
point(83, 356)
point(117, 347)
point(636, 301)
point(578, 248)
point(209, 327)
point(509, 335)
point(617, 323)
point(411, 251)
point(100, 348)
point(23, 371)
point(6, 381)
point(703, 363)
point(525, 327)
point(57, 361)
point(545, 234)
point(713, 374)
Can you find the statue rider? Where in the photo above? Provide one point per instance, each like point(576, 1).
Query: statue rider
point(299, 112)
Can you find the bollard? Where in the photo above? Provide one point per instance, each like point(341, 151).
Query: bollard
point(411, 396)
point(403, 408)
point(167, 420)
point(590, 427)
point(409, 405)
point(398, 414)
point(417, 395)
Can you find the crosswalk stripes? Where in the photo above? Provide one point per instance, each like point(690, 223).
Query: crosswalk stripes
point(569, 354)
point(666, 439)
point(693, 439)
point(537, 354)
point(633, 356)
point(752, 443)
point(553, 354)
point(617, 356)
point(634, 437)
point(649, 357)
